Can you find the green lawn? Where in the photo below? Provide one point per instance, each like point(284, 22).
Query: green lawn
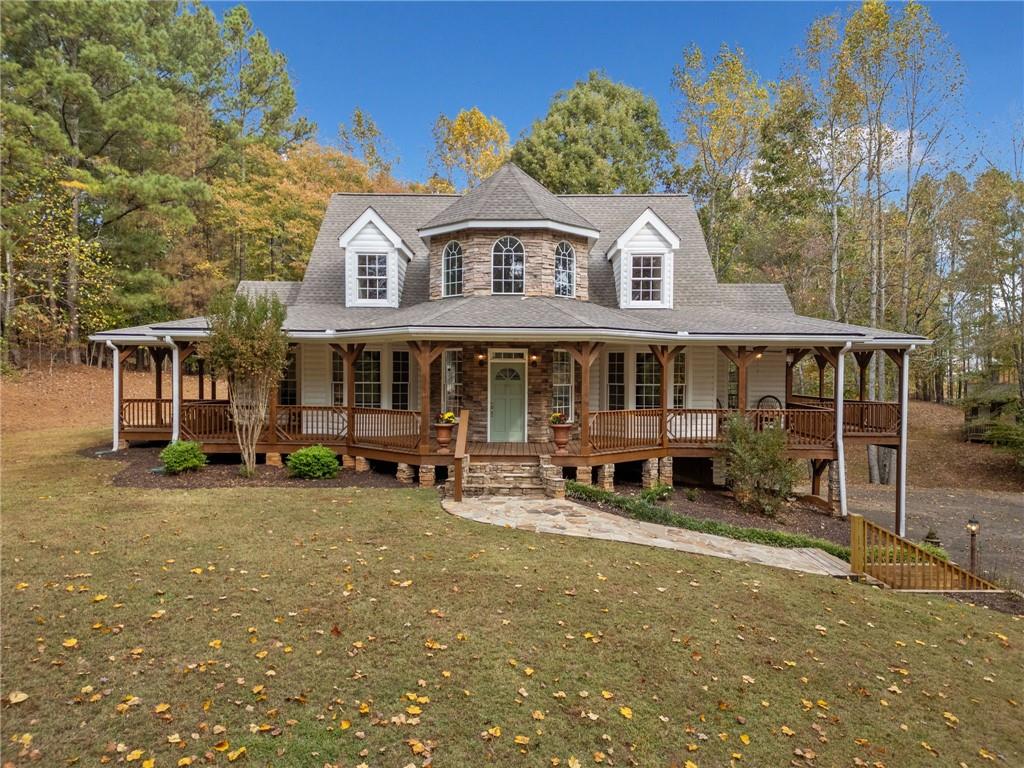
point(302, 625)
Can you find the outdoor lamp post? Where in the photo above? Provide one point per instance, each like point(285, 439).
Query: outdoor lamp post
point(972, 528)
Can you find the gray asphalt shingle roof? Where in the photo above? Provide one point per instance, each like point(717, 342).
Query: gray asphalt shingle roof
point(508, 193)
point(702, 306)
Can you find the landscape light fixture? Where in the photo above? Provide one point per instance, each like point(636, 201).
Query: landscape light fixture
point(973, 526)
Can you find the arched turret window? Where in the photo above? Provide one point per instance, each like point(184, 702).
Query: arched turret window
point(508, 266)
point(565, 269)
point(451, 269)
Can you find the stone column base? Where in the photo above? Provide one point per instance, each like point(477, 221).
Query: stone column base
point(585, 475)
point(666, 465)
point(718, 471)
point(606, 477)
point(405, 474)
point(348, 462)
point(649, 476)
point(274, 460)
point(427, 476)
point(361, 464)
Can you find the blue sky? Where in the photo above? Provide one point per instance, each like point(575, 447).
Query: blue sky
point(407, 62)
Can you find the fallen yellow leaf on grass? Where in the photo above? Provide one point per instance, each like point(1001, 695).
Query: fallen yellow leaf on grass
point(608, 694)
point(221, 746)
point(16, 697)
point(537, 715)
point(161, 708)
point(521, 740)
point(99, 598)
point(232, 756)
point(71, 642)
point(149, 763)
point(626, 712)
point(412, 709)
point(184, 762)
point(134, 755)
point(788, 731)
point(744, 738)
point(215, 643)
point(495, 731)
point(345, 725)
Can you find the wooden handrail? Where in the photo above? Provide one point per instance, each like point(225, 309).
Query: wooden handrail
point(902, 564)
point(460, 452)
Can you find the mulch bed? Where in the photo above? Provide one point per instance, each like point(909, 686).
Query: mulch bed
point(222, 472)
point(723, 507)
point(1004, 602)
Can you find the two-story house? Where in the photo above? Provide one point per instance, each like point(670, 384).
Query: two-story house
point(509, 303)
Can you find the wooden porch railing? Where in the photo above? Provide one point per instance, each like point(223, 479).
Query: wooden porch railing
point(902, 564)
point(460, 453)
point(637, 428)
point(146, 413)
point(872, 417)
point(641, 428)
point(386, 428)
point(309, 423)
point(207, 421)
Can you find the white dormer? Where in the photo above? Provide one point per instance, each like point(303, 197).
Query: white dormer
point(375, 261)
point(642, 260)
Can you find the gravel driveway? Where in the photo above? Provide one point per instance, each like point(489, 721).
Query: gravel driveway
point(946, 510)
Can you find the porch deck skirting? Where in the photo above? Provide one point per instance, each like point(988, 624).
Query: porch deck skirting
point(619, 435)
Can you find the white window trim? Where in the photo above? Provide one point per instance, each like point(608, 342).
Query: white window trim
point(508, 293)
point(555, 226)
point(525, 362)
point(648, 217)
point(370, 216)
point(572, 386)
point(444, 274)
point(626, 279)
point(389, 260)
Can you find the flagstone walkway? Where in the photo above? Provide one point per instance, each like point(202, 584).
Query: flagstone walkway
point(567, 518)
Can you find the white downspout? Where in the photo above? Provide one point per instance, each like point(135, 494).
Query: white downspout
point(840, 382)
point(175, 389)
point(901, 481)
point(116, 352)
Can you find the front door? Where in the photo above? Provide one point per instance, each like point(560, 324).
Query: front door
point(508, 402)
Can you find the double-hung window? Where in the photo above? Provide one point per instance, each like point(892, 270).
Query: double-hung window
point(646, 276)
point(679, 381)
point(288, 387)
point(367, 379)
point(451, 399)
point(337, 378)
point(561, 384)
point(616, 381)
point(400, 380)
point(372, 276)
point(648, 381)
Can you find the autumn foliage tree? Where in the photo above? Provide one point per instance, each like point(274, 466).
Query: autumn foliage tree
point(468, 148)
point(248, 344)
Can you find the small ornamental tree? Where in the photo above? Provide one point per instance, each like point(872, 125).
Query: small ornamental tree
point(757, 468)
point(247, 343)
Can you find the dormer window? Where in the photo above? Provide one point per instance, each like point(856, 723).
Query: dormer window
point(372, 276)
point(646, 277)
point(565, 269)
point(451, 266)
point(508, 266)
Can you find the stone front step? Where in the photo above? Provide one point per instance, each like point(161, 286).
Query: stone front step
point(521, 479)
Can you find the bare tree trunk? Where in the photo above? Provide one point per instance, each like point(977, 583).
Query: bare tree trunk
point(249, 399)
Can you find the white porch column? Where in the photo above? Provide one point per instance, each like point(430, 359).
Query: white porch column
point(901, 460)
point(840, 448)
point(116, 354)
point(175, 389)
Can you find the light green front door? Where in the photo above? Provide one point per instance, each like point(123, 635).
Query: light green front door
point(508, 402)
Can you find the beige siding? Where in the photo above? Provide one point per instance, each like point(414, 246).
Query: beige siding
point(767, 376)
point(701, 376)
point(316, 374)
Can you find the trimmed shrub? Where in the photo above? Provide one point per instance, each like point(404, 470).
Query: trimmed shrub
point(1009, 437)
point(313, 463)
point(182, 456)
point(757, 468)
point(660, 492)
point(641, 510)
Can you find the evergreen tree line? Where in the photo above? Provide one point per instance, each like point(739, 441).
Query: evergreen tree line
point(152, 156)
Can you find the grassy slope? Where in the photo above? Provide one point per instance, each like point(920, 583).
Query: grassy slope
point(701, 650)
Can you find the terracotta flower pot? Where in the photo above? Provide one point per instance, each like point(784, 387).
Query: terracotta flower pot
point(560, 434)
point(444, 436)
